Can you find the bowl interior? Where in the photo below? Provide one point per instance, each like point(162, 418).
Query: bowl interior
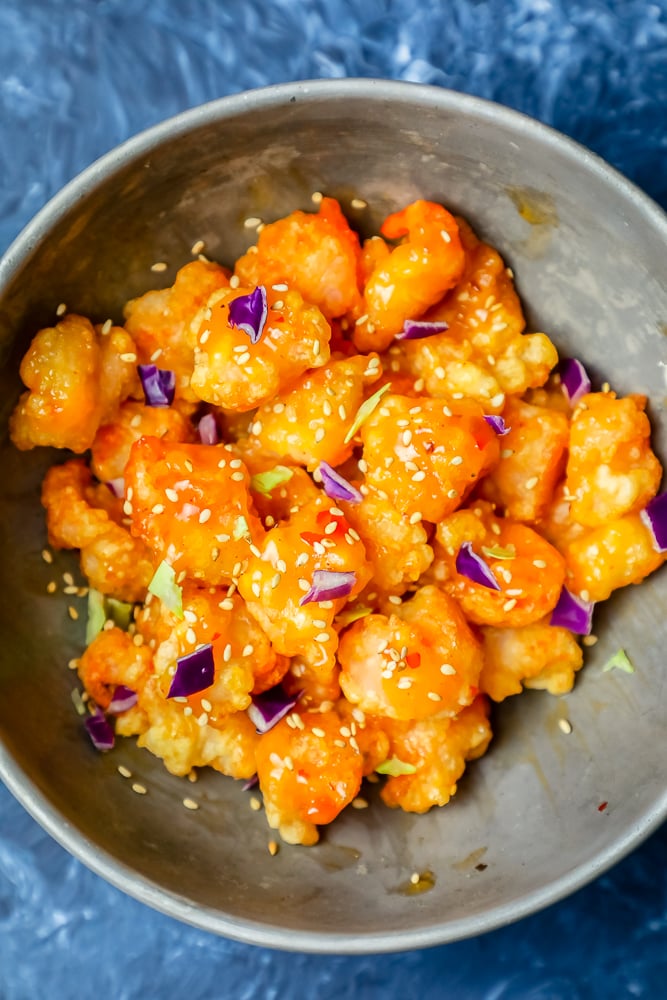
point(588, 254)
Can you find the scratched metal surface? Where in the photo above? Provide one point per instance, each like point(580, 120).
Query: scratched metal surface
point(76, 78)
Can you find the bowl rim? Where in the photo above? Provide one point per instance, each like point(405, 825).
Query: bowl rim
point(102, 863)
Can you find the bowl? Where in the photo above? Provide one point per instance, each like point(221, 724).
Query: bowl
point(527, 826)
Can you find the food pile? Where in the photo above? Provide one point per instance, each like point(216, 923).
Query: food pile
point(331, 503)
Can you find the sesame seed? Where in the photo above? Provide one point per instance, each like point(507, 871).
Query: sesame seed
point(589, 640)
point(319, 434)
point(508, 605)
point(191, 636)
point(70, 590)
point(47, 556)
point(171, 494)
point(416, 517)
point(124, 771)
point(280, 288)
point(358, 203)
point(190, 804)
point(202, 720)
point(539, 563)
point(51, 587)
point(498, 400)
point(316, 347)
point(439, 372)
point(404, 683)
point(452, 494)
point(339, 743)
point(434, 696)
point(278, 304)
point(532, 483)
point(342, 412)
point(128, 356)
point(73, 613)
point(243, 359)
point(506, 453)
point(316, 731)
point(273, 848)
point(139, 789)
point(394, 599)
point(276, 581)
point(62, 309)
point(255, 551)
point(159, 266)
point(204, 516)
point(251, 222)
point(322, 637)
point(238, 477)
point(565, 726)
point(234, 281)
point(158, 508)
point(419, 476)
point(255, 804)
point(447, 669)
point(197, 247)
point(406, 437)
point(457, 460)
point(206, 705)
point(584, 595)
point(362, 319)
point(414, 878)
point(127, 508)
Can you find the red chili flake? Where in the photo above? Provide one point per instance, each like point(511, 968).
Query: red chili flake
point(413, 660)
point(602, 806)
point(216, 635)
point(474, 691)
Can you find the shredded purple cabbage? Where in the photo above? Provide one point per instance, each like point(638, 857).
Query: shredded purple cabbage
point(159, 384)
point(417, 329)
point(472, 566)
point(498, 424)
point(269, 707)
point(249, 312)
point(574, 380)
point(194, 673)
point(573, 613)
point(327, 586)
point(123, 698)
point(336, 487)
point(654, 517)
point(100, 732)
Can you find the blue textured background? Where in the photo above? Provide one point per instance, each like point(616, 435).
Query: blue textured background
point(76, 78)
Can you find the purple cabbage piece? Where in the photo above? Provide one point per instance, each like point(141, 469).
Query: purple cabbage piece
point(159, 384)
point(117, 487)
point(123, 698)
point(654, 517)
point(498, 424)
point(327, 586)
point(269, 707)
point(100, 732)
point(573, 613)
point(194, 673)
point(249, 312)
point(574, 380)
point(336, 487)
point(417, 329)
point(472, 566)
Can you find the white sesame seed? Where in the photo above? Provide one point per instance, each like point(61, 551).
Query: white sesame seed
point(243, 359)
point(419, 476)
point(320, 434)
point(280, 288)
point(171, 494)
point(584, 595)
point(190, 804)
point(532, 483)
point(139, 789)
point(457, 460)
point(452, 494)
point(508, 605)
point(589, 640)
point(565, 726)
point(498, 400)
point(238, 477)
point(439, 372)
point(62, 309)
point(234, 281)
point(256, 590)
point(158, 508)
point(322, 637)
point(434, 696)
point(447, 669)
point(124, 771)
point(251, 222)
point(316, 731)
point(358, 203)
point(129, 356)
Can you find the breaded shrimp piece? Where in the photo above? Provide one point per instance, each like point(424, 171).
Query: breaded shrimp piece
point(422, 660)
point(239, 375)
point(396, 545)
point(308, 772)
point(159, 321)
point(557, 524)
point(309, 422)
point(183, 742)
point(539, 656)
point(316, 538)
point(414, 276)
point(438, 748)
point(111, 447)
point(76, 376)
point(115, 563)
point(317, 254)
point(529, 581)
point(244, 660)
point(532, 460)
point(611, 469)
point(610, 556)
point(190, 504)
point(111, 660)
point(484, 353)
point(426, 455)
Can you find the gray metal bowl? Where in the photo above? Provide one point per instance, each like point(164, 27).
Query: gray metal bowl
point(590, 268)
